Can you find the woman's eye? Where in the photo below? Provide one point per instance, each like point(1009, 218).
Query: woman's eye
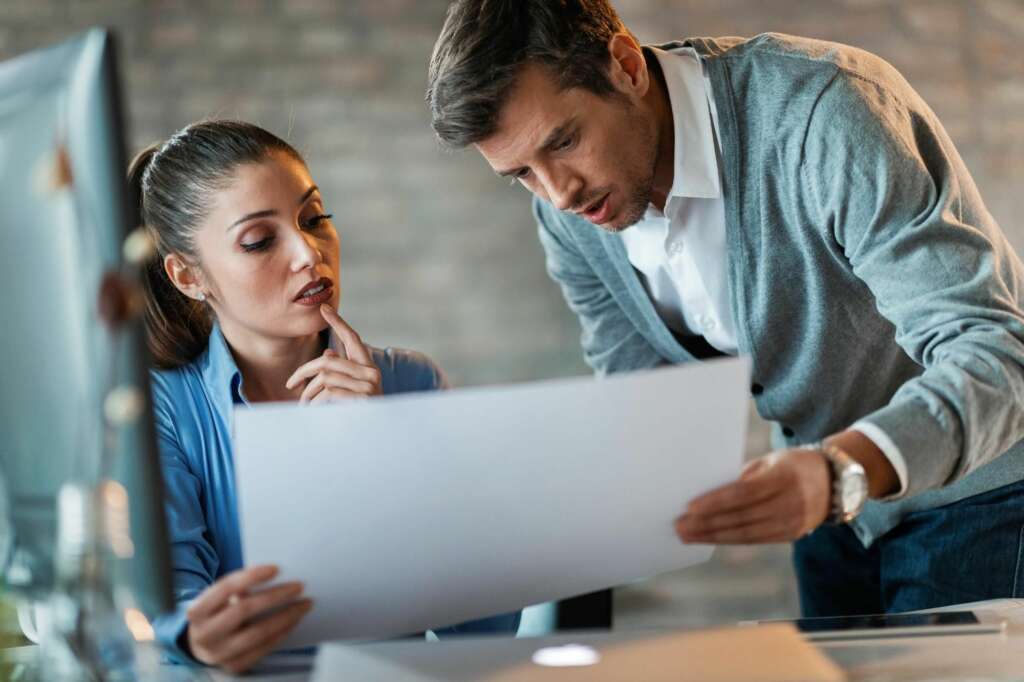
point(261, 245)
point(316, 221)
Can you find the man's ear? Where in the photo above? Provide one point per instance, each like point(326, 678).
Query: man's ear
point(628, 70)
point(184, 276)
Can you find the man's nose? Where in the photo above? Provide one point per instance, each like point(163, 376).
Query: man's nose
point(563, 189)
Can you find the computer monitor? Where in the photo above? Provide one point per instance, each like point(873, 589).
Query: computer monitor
point(64, 215)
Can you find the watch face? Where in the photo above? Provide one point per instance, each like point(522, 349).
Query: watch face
point(854, 491)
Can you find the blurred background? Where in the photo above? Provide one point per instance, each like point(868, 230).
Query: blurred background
point(440, 255)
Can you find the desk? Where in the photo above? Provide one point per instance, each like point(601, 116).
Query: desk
point(903, 659)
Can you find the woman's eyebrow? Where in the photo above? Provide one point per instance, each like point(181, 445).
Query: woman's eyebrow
point(270, 211)
point(253, 216)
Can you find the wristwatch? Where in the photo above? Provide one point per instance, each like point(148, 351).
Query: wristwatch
point(849, 485)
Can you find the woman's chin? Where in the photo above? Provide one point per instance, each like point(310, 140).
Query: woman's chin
point(308, 325)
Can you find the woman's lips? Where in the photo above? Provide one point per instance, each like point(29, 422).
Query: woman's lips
point(317, 293)
point(600, 212)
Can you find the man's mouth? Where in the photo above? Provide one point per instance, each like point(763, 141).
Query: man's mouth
point(597, 212)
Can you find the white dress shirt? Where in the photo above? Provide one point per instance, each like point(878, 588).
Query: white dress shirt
point(680, 254)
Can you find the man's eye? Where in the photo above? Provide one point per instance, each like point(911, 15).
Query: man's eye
point(316, 221)
point(565, 144)
point(520, 174)
point(261, 245)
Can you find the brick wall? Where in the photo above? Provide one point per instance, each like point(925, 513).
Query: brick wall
point(438, 254)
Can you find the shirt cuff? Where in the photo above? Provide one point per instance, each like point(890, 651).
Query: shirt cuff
point(170, 633)
point(892, 453)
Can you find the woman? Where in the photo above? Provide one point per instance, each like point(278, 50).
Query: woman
point(241, 308)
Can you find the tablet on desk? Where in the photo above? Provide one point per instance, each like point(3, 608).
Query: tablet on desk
point(918, 624)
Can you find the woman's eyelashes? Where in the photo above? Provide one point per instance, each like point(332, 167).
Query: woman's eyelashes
point(261, 245)
point(316, 220)
point(310, 223)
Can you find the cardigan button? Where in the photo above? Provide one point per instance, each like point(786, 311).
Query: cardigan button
point(757, 389)
point(787, 432)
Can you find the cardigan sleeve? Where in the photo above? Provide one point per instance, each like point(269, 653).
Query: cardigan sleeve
point(892, 191)
point(611, 342)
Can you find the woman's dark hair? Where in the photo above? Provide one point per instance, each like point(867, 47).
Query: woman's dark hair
point(173, 183)
point(485, 43)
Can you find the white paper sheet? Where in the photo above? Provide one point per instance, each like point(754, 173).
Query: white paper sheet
point(412, 512)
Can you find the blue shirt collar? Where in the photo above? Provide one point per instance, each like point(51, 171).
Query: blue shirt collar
point(220, 372)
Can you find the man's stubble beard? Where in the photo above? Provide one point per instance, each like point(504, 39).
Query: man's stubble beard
point(639, 196)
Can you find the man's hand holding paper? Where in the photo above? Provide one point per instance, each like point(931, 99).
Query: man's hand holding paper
point(777, 498)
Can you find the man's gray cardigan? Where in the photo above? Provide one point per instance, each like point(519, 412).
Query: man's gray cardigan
point(867, 278)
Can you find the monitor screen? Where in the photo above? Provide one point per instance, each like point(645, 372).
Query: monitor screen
point(64, 216)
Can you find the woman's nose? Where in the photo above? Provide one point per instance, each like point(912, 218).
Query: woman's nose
point(307, 253)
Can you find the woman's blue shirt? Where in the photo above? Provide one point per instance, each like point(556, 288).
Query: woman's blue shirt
point(192, 408)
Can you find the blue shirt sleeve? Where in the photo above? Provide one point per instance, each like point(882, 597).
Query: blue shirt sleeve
point(194, 559)
point(405, 371)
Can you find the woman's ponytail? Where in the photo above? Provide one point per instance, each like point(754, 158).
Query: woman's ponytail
point(177, 327)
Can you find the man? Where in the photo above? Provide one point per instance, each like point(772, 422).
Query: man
point(794, 201)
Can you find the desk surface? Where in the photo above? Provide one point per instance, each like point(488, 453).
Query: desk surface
point(906, 659)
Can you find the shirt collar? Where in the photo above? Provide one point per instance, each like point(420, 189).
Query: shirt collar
point(696, 164)
point(221, 373)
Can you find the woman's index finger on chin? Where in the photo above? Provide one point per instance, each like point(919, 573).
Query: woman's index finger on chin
point(354, 347)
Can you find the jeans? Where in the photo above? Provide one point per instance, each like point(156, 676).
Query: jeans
point(971, 550)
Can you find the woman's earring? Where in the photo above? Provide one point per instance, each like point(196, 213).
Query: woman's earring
point(200, 297)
